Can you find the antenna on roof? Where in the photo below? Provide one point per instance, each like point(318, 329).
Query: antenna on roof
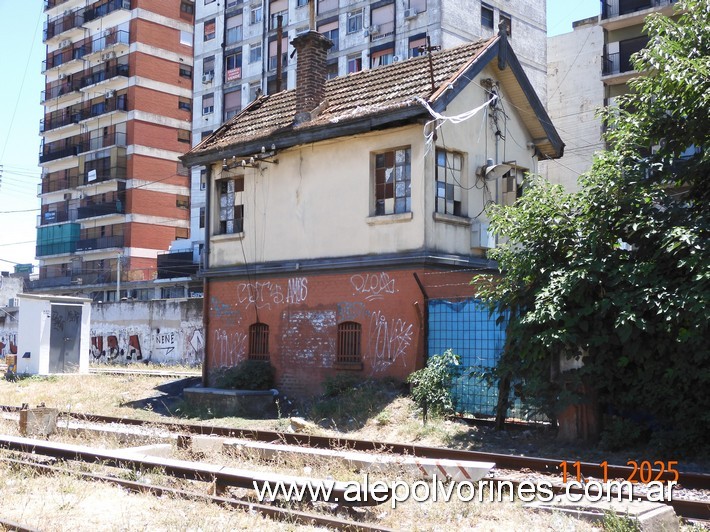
point(429, 49)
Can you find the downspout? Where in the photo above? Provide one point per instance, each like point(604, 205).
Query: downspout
point(205, 283)
point(423, 316)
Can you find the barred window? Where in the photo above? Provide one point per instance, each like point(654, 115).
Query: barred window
point(259, 341)
point(349, 335)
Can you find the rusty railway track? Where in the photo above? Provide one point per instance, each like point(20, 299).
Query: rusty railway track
point(688, 509)
point(273, 512)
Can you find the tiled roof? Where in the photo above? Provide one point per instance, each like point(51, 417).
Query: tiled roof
point(355, 96)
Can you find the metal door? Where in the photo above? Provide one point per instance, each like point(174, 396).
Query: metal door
point(65, 339)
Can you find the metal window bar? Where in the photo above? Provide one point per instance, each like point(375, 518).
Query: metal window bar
point(259, 341)
point(349, 336)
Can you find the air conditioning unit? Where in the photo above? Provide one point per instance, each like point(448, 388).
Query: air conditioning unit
point(108, 56)
point(13, 302)
point(62, 76)
point(109, 94)
point(410, 13)
point(481, 236)
point(65, 43)
point(208, 77)
point(395, 58)
point(372, 30)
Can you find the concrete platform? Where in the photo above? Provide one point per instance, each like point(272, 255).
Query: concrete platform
point(649, 516)
point(254, 404)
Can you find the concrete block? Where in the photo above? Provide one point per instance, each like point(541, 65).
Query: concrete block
point(38, 421)
point(255, 404)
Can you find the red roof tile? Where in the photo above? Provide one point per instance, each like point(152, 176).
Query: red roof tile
point(351, 97)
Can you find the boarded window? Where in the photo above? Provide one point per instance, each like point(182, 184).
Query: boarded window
point(448, 182)
point(258, 341)
point(349, 342)
point(393, 187)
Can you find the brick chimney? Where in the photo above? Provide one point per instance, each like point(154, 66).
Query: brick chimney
point(312, 48)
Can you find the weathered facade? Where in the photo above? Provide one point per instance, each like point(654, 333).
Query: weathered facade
point(325, 213)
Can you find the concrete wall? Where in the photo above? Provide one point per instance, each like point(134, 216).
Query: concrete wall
point(162, 331)
point(575, 92)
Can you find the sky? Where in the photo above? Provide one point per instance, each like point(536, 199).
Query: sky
point(21, 25)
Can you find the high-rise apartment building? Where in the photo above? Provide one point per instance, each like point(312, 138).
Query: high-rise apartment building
point(237, 49)
point(117, 111)
point(589, 68)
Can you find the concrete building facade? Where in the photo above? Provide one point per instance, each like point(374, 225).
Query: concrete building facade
point(236, 46)
point(588, 69)
point(117, 104)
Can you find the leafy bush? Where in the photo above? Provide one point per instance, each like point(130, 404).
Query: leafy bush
point(339, 383)
point(431, 385)
point(247, 375)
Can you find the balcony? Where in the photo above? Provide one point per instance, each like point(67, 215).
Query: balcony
point(50, 282)
point(56, 181)
point(57, 216)
point(63, 23)
point(79, 49)
point(620, 62)
point(66, 85)
point(98, 11)
point(102, 73)
point(617, 8)
point(76, 113)
point(102, 242)
point(77, 144)
point(101, 209)
point(176, 264)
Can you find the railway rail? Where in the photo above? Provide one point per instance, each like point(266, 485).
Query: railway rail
point(689, 509)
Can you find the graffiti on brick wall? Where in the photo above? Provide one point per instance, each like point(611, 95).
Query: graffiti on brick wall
point(8, 343)
point(140, 344)
point(388, 341)
point(227, 348)
point(221, 309)
point(309, 337)
point(264, 294)
point(373, 285)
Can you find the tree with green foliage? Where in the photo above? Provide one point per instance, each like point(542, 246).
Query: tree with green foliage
point(617, 274)
point(431, 385)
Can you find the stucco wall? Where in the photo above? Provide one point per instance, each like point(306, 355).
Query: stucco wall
point(575, 93)
point(162, 331)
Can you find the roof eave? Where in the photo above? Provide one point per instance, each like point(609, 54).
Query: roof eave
point(290, 137)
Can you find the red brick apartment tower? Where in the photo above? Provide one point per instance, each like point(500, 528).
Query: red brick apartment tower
point(117, 111)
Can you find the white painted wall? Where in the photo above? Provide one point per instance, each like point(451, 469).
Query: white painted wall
point(575, 92)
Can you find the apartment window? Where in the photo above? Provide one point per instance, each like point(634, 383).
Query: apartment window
point(208, 66)
point(203, 179)
point(172, 292)
point(255, 14)
point(273, 45)
point(186, 71)
point(205, 134)
point(415, 43)
point(208, 104)
point(393, 187)
point(258, 341)
point(202, 217)
point(183, 135)
point(255, 52)
point(182, 233)
point(382, 57)
point(233, 66)
point(234, 29)
point(349, 344)
point(210, 28)
point(208, 1)
point(184, 103)
point(382, 22)
point(508, 21)
point(231, 207)
point(354, 63)
point(232, 103)
point(331, 70)
point(354, 21)
point(486, 16)
point(448, 182)
point(301, 3)
point(275, 18)
point(417, 5)
point(327, 5)
point(185, 38)
point(182, 202)
point(330, 31)
point(254, 91)
point(186, 7)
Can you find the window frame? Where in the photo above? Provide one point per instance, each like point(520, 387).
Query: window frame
point(224, 206)
point(381, 188)
point(258, 348)
point(354, 15)
point(348, 353)
point(211, 35)
point(487, 9)
point(449, 186)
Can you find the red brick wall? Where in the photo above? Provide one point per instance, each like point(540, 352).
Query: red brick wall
point(151, 236)
point(156, 136)
point(153, 169)
point(303, 312)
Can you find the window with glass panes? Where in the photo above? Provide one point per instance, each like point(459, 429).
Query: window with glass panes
point(393, 186)
point(448, 182)
point(231, 207)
